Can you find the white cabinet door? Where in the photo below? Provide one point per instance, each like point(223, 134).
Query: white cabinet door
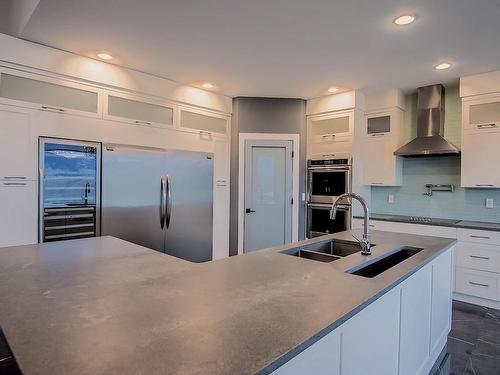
point(138, 110)
point(18, 155)
point(480, 160)
point(380, 166)
point(48, 94)
point(207, 124)
point(441, 299)
point(415, 322)
point(18, 213)
point(322, 358)
point(482, 114)
point(370, 339)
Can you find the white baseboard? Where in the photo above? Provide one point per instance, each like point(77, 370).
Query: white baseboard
point(477, 300)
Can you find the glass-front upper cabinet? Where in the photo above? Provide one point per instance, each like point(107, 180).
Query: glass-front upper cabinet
point(331, 127)
point(385, 123)
point(138, 110)
point(482, 114)
point(208, 124)
point(48, 94)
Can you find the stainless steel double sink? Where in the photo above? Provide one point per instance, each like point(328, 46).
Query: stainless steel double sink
point(331, 250)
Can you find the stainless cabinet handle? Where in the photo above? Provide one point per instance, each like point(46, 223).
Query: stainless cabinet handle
point(377, 183)
point(370, 225)
point(15, 183)
point(478, 284)
point(142, 122)
point(485, 185)
point(328, 155)
point(163, 198)
point(52, 109)
point(377, 134)
point(169, 201)
point(487, 126)
point(15, 178)
point(328, 136)
point(479, 257)
point(483, 237)
point(203, 132)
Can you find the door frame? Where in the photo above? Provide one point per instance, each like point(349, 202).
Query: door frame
point(243, 137)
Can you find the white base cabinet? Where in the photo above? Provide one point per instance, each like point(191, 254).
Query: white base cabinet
point(403, 332)
point(18, 213)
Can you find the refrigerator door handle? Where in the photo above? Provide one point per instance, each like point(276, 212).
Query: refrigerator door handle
point(163, 198)
point(168, 205)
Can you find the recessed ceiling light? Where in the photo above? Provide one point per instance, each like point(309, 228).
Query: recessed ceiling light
point(404, 19)
point(442, 66)
point(333, 89)
point(104, 56)
point(207, 85)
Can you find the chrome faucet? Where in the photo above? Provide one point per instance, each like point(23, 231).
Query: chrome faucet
point(365, 242)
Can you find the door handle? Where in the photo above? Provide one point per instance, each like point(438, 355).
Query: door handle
point(249, 211)
point(168, 208)
point(163, 198)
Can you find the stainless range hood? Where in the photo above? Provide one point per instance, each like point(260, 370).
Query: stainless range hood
point(430, 126)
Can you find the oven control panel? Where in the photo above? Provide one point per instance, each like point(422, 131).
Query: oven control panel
point(326, 162)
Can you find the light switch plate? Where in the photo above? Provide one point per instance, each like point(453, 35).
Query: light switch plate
point(489, 202)
point(303, 197)
point(390, 198)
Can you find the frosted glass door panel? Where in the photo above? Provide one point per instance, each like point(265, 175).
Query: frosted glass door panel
point(198, 121)
point(144, 112)
point(45, 93)
point(331, 126)
point(267, 196)
point(380, 124)
point(484, 113)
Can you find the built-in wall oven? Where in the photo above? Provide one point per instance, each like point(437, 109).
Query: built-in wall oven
point(319, 222)
point(327, 179)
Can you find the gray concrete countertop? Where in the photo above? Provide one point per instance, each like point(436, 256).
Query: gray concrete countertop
point(468, 224)
point(106, 306)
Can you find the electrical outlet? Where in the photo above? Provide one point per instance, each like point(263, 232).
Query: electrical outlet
point(489, 202)
point(303, 197)
point(390, 198)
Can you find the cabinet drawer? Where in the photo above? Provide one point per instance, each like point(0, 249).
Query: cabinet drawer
point(476, 283)
point(478, 256)
point(479, 236)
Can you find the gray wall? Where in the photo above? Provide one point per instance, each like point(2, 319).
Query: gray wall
point(265, 115)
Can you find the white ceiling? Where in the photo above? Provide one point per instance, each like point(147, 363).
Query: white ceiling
point(280, 48)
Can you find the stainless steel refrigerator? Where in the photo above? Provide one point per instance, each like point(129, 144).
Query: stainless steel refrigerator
point(161, 199)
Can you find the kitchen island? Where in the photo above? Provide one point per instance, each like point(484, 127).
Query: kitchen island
point(106, 306)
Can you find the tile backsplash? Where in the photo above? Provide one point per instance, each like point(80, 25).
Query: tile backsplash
point(462, 204)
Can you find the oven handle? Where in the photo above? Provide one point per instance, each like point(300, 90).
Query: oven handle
point(326, 206)
point(326, 169)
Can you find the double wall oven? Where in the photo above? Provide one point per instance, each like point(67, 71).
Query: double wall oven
point(327, 179)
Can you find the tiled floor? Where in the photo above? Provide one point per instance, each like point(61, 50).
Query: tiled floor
point(474, 340)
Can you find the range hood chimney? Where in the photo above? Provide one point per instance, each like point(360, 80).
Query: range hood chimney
point(430, 125)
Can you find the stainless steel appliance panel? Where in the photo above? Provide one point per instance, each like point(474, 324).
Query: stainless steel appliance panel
point(328, 179)
point(189, 205)
point(132, 194)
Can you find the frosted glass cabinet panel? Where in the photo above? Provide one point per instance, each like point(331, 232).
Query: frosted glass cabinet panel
point(141, 113)
point(49, 96)
point(379, 124)
point(203, 122)
point(485, 113)
point(333, 125)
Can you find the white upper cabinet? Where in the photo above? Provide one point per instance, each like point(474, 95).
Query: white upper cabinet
point(48, 94)
point(381, 137)
point(138, 110)
point(18, 161)
point(330, 135)
point(482, 114)
point(207, 124)
point(480, 159)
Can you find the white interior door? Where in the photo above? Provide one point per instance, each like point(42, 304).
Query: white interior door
point(268, 194)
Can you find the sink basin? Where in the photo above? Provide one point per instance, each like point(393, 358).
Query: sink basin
point(335, 247)
point(383, 264)
point(325, 251)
